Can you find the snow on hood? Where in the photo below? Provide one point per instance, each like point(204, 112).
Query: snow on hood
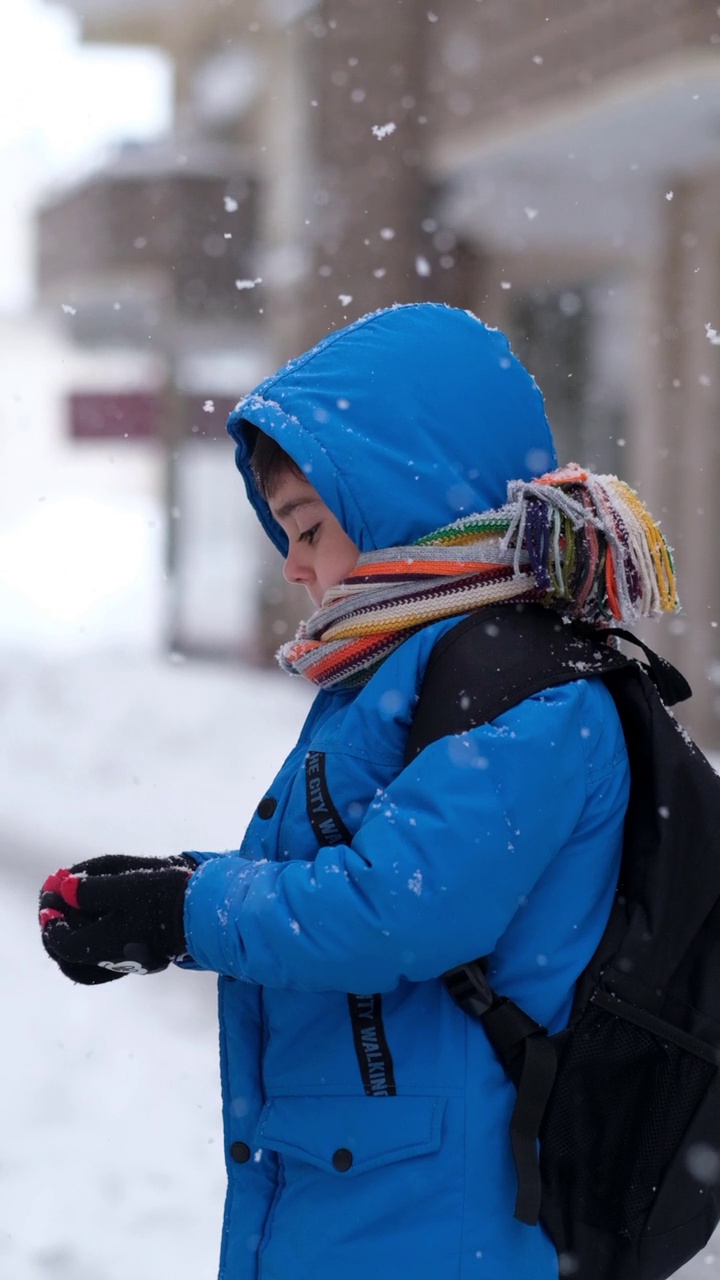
point(404, 421)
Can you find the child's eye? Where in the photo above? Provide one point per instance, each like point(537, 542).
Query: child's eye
point(309, 534)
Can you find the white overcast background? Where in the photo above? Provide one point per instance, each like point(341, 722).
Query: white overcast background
point(62, 105)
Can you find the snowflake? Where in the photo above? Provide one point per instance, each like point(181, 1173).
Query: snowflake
point(414, 884)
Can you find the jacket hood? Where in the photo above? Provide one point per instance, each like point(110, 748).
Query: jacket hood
point(404, 421)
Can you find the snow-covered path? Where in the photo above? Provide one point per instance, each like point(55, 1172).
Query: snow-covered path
point(111, 1156)
point(111, 1159)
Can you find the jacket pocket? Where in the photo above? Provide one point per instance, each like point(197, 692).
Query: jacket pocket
point(347, 1136)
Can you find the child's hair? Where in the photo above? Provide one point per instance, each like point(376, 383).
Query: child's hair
point(270, 463)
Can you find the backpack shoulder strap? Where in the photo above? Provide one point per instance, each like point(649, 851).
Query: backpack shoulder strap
point(494, 659)
point(486, 664)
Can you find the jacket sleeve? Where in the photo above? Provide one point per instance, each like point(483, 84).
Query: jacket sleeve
point(433, 876)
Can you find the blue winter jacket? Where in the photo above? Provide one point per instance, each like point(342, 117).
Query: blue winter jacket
point(369, 1135)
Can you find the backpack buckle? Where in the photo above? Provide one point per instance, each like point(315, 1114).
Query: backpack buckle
point(469, 988)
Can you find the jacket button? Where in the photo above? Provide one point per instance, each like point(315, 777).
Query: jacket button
point(267, 807)
point(342, 1159)
point(240, 1152)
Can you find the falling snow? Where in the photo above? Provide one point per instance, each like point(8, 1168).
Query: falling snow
point(383, 130)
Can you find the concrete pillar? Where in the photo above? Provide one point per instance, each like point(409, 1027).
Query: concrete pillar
point(368, 195)
point(679, 430)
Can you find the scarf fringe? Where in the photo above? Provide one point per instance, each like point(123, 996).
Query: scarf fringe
point(581, 543)
point(593, 547)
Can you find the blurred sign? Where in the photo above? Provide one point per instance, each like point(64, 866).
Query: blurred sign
point(138, 415)
point(129, 415)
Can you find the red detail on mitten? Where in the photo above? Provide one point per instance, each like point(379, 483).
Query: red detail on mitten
point(68, 888)
point(53, 882)
point(47, 914)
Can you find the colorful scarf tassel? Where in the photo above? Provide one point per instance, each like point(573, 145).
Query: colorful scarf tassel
point(594, 549)
point(580, 543)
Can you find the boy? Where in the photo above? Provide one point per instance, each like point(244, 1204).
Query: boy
point(367, 1118)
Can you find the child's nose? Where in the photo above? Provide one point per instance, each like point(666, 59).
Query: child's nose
point(294, 570)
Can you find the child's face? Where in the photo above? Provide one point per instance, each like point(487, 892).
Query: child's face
point(320, 554)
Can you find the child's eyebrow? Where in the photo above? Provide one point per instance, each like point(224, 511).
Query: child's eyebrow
point(288, 507)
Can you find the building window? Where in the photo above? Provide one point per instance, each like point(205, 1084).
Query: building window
point(573, 339)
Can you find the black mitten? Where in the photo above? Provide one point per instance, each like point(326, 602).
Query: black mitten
point(115, 915)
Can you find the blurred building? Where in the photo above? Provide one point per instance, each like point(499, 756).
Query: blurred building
point(153, 255)
point(555, 167)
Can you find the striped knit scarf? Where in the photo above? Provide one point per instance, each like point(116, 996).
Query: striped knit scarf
point(580, 543)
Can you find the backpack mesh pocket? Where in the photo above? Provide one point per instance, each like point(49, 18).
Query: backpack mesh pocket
point(623, 1099)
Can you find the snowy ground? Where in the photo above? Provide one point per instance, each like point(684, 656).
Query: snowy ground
point(111, 1159)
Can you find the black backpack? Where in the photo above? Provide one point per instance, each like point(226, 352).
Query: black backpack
point(626, 1101)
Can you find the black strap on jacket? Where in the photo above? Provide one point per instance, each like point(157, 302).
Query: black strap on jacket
point(372, 1051)
point(528, 1056)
